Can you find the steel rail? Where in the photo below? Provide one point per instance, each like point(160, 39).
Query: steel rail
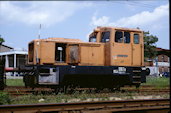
point(21, 93)
point(18, 90)
point(114, 106)
point(152, 85)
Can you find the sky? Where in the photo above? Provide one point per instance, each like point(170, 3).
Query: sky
point(20, 20)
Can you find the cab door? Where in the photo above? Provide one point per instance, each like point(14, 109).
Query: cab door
point(121, 49)
point(137, 49)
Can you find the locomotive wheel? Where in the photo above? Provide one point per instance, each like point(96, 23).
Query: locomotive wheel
point(29, 81)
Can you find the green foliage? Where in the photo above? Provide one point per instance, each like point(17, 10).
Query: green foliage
point(106, 98)
point(26, 99)
point(149, 45)
point(83, 95)
point(1, 40)
point(59, 97)
point(5, 98)
point(93, 96)
point(76, 94)
point(129, 94)
point(33, 99)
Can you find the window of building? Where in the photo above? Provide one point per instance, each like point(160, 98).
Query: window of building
point(119, 36)
point(136, 38)
point(105, 36)
point(162, 58)
point(168, 69)
point(168, 59)
point(162, 69)
point(126, 37)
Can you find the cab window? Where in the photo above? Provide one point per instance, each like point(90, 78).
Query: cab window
point(119, 36)
point(92, 38)
point(105, 36)
point(136, 38)
point(126, 37)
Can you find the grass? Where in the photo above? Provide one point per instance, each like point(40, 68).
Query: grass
point(61, 97)
point(34, 99)
point(157, 81)
point(5, 98)
point(75, 97)
point(14, 82)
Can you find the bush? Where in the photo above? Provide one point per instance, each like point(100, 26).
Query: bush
point(5, 98)
point(83, 95)
point(59, 97)
point(76, 94)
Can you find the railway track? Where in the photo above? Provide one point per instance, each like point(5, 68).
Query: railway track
point(147, 88)
point(152, 86)
point(150, 106)
point(21, 90)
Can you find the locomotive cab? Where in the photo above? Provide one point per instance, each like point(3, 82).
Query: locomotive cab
point(123, 46)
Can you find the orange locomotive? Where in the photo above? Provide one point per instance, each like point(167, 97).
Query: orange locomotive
point(113, 57)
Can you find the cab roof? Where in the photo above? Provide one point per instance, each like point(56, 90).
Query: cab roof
point(119, 28)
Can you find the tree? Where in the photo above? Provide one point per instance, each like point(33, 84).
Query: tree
point(1, 40)
point(149, 45)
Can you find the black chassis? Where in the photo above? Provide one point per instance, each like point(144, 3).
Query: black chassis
point(92, 76)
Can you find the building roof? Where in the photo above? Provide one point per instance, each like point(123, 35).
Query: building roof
point(7, 46)
point(120, 28)
point(14, 52)
point(161, 51)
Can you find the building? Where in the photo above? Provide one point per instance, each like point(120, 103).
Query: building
point(13, 58)
point(4, 48)
point(159, 64)
point(163, 60)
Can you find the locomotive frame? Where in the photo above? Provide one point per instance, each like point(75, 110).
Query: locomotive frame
point(112, 58)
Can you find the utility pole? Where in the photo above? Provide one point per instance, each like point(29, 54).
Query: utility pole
point(39, 31)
